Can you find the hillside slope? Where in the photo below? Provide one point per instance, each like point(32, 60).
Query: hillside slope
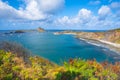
point(111, 36)
point(14, 68)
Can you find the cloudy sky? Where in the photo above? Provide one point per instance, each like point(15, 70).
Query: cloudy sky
point(60, 14)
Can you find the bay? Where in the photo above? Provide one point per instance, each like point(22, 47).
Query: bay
point(58, 48)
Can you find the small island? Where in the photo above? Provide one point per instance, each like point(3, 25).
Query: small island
point(19, 31)
point(15, 32)
point(40, 29)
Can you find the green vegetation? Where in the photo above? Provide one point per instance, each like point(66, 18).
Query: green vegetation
point(78, 69)
point(16, 49)
point(13, 66)
point(118, 29)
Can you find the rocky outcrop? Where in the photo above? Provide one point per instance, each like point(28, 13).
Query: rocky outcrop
point(19, 31)
point(14, 32)
point(40, 29)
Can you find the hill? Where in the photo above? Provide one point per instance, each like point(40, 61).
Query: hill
point(111, 35)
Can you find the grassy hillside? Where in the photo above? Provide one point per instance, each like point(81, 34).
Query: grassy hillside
point(112, 35)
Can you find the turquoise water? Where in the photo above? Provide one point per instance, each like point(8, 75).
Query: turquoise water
point(58, 48)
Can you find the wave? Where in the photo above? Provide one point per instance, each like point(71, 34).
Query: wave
point(93, 43)
point(100, 44)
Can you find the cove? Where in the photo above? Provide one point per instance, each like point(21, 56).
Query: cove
point(58, 48)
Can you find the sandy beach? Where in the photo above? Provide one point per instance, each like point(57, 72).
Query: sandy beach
point(110, 43)
point(102, 43)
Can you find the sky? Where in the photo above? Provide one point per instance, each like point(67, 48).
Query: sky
point(60, 14)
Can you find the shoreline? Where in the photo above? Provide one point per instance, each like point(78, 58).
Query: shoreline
point(110, 43)
point(106, 44)
point(97, 42)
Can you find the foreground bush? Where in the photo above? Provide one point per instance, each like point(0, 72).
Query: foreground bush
point(13, 67)
point(15, 48)
point(78, 69)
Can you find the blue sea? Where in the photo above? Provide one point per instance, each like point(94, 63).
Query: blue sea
point(58, 48)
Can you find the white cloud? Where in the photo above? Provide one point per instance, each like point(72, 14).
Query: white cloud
point(97, 2)
point(82, 17)
point(84, 14)
point(115, 5)
point(86, 20)
point(48, 5)
point(103, 12)
point(64, 20)
point(44, 10)
point(34, 10)
point(7, 11)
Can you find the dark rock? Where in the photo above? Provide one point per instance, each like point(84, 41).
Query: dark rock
point(19, 31)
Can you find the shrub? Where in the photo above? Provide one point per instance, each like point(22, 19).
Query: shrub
point(13, 67)
point(78, 69)
point(16, 49)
